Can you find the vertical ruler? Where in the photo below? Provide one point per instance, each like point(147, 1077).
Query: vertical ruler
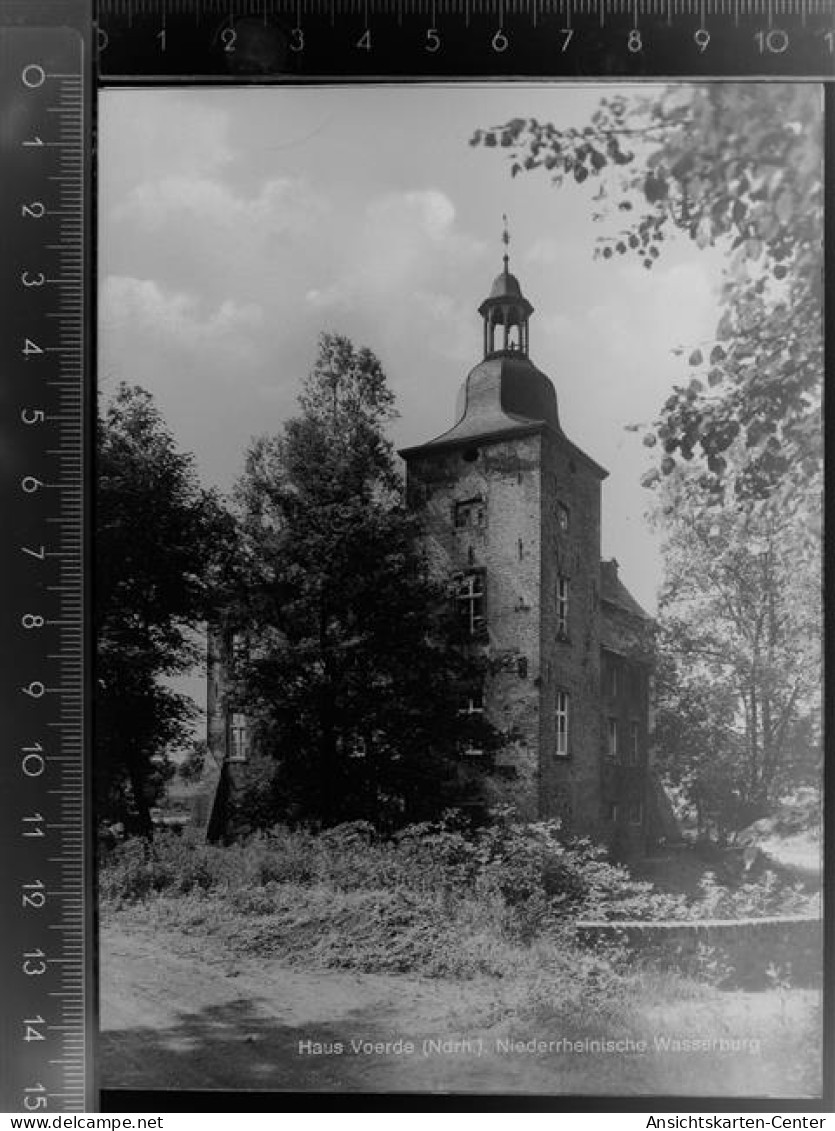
point(46, 939)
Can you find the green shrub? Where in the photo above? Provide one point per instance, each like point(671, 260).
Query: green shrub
point(765, 896)
point(536, 879)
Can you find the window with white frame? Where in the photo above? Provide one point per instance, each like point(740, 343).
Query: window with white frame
point(561, 747)
point(473, 705)
point(562, 605)
point(612, 739)
point(469, 602)
point(238, 734)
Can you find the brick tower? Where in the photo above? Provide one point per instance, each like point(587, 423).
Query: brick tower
point(511, 517)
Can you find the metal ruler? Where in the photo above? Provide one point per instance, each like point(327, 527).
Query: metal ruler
point(46, 880)
point(47, 75)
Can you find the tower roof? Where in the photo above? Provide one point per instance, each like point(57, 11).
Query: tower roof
point(506, 285)
point(505, 394)
point(506, 305)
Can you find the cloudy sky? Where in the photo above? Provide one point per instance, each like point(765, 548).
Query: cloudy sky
point(236, 225)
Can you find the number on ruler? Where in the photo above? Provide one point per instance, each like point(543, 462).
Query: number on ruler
point(30, 348)
point(29, 484)
point(567, 34)
point(33, 895)
point(32, 760)
point(33, 963)
point(40, 553)
point(35, 690)
point(773, 42)
point(33, 280)
point(634, 43)
point(34, 1097)
point(34, 141)
point(500, 42)
point(32, 415)
point(297, 39)
point(702, 38)
point(30, 1029)
point(433, 41)
point(161, 37)
point(228, 37)
point(33, 76)
point(364, 41)
point(35, 210)
point(34, 825)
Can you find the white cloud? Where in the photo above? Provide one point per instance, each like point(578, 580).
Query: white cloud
point(426, 212)
point(143, 306)
point(283, 204)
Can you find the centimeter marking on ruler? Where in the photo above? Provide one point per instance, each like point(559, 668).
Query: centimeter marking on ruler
point(340, 40)
point(46, 944)
point(208, 9)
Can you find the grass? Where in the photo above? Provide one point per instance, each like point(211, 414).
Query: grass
point(496, 910)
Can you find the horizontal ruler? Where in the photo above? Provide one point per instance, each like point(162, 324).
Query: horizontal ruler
point(186, 40)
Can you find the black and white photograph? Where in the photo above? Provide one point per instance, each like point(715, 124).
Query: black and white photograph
point(457, 588)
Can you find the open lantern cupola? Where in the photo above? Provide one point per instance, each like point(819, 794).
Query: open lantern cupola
point(506, 313)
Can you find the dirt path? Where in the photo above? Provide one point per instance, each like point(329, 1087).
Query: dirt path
point(180, 1011)
point(176, 1014)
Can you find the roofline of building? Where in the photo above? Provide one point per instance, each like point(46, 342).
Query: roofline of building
point(500, 433)
point(624, 608)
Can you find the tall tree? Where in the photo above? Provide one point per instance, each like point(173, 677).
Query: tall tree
point(738, 723)
point(161, 542)
point(350, 666)
point(740, 167)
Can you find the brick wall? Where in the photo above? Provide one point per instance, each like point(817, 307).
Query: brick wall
point(505, 476)
point(570, 785)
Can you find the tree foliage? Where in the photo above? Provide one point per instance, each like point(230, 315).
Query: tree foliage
point(349, 670)
point(739, 167)
point(161, 541)
point(738, 722)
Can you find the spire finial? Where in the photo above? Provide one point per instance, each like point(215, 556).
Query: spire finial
point(505, 240)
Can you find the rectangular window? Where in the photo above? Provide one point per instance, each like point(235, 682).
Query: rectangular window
point(636, 813)
point(469, 513)
point(238, 737)
point(562, 606)
point(634, 743)
point(562, 724)
point(469, 603)
point(612, 739)
point(614, 682)
point(612, 811)
point(474, 703)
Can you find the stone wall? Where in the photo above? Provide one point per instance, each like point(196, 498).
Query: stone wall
point(744, 949)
